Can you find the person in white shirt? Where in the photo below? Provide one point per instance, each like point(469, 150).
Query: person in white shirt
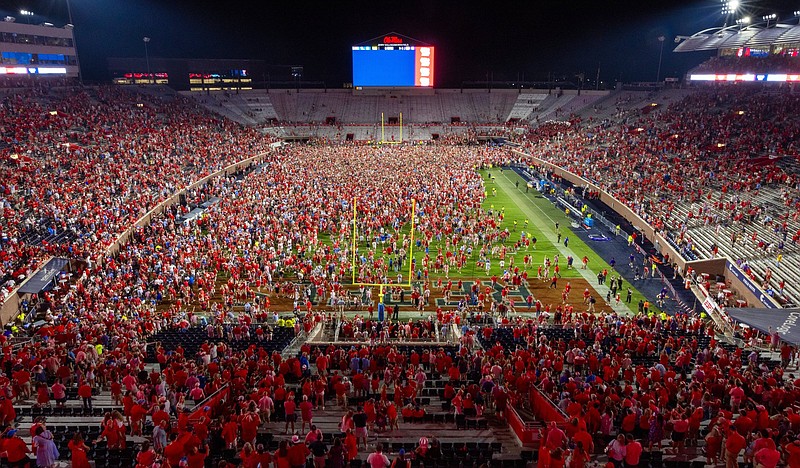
point(377, 459)
point(617, 450)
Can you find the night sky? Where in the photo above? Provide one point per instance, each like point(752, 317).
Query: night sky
point(503, 39)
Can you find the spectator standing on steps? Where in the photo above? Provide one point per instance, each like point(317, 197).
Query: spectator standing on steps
point(360, 423)
point(377, 459)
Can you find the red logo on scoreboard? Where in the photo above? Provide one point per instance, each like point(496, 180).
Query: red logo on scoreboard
point(392, 40)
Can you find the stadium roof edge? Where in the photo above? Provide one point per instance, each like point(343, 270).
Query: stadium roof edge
point(756, 35)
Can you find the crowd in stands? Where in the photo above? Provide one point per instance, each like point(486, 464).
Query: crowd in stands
point(265, 235)
point(704, 152)
point(94, 161)
point(90, 162)
point(750, 64)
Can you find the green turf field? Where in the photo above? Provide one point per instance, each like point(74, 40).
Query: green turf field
point(504, 195)
point(543, 215)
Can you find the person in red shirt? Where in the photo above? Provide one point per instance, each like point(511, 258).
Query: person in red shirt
point(305, 411)
point(7, 412)
point(85, 392)
point(629, 422)
point(250, 423)
point(733, 447)
point(160, 415)
point(298, 453)
point(248, 456)
point(289, 408)
point(13, 449)
point(264, 456)
point(59, 393)
point(22, 379)
point(767, 457)
point(792, 450)
point(197, 456)
point(633, 451)
point(174, 451)
point(230, 432)
point(138, 415)
point(146, 456)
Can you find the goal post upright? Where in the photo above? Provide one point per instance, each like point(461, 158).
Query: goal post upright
point(401, 127)
point(381, 286)
point(355, 238)
point(411, 243)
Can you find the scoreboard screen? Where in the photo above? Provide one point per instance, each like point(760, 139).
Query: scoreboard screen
point(392, 64)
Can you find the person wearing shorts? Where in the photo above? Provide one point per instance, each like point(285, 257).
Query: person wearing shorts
point(360, 422)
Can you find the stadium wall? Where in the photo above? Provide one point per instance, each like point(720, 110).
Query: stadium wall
point(11, 305)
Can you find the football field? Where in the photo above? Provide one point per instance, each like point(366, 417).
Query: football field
point(528, 213)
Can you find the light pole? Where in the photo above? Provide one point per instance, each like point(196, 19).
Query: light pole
point(729, 8)
point(74, 42)
point(769, 18)
point(743, 22)
point(27, 14)
point(147, 55)
point(660, 55)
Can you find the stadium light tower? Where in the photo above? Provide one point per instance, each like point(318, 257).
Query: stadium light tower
point(146, 41)
point(742, 22)
point(769, 18)
point(71, 26)
point(27, 14)
point(729, 7)
point(661, 39)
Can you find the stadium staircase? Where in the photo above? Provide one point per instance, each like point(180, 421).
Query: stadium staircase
point(525, 104)
point(465, 441)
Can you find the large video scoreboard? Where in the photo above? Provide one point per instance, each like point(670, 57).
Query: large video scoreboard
point(392, 61)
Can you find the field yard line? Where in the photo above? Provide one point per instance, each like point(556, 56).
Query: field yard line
point(587, 274)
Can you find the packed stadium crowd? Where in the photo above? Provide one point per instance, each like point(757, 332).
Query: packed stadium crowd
point(262, 235)
point(92, 162)
point(691, 154)
point(750, 64)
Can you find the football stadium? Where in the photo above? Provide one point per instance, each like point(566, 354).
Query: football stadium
point(223, 262)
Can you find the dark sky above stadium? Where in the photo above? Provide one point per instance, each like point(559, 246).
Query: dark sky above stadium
point(503, 39)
